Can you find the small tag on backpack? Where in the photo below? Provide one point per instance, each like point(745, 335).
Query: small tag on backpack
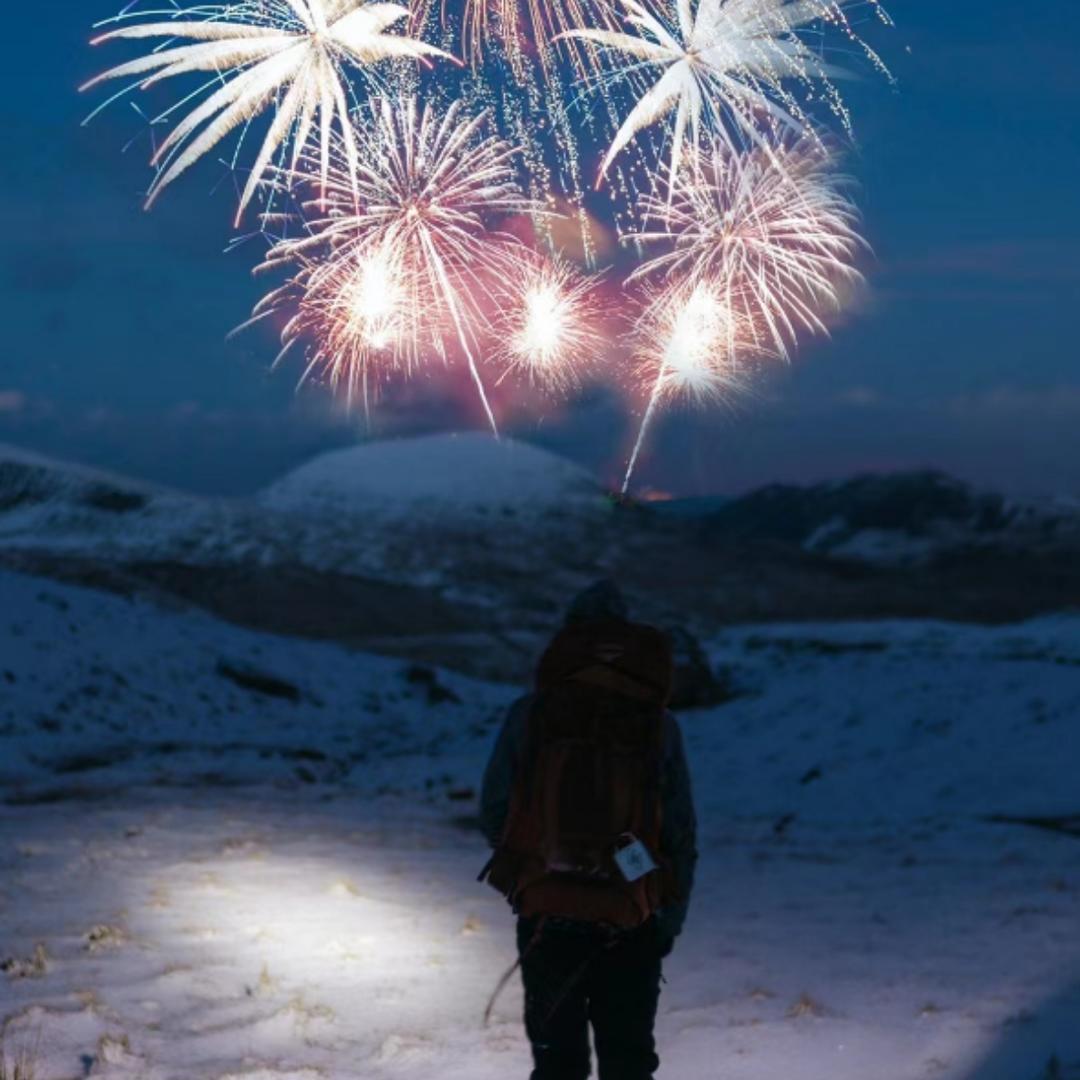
point(633, 859)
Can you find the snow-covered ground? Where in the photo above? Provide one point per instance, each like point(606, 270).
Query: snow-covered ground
point(226, 854)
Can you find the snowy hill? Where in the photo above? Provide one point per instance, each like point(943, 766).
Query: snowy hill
point(52, 505)
point(226, 855)
point(445, 474)
point(40, 496)
point(903, 720)
point(375, 510)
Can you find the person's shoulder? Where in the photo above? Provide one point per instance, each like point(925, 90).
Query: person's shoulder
point(672, 732)
point(518, 712)
point(522, 704)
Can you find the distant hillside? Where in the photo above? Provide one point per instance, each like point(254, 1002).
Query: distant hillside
point(898, 518)
point(464, 550)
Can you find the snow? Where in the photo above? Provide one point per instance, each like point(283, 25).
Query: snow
point(57, 506)
point(879, 547)
point(76, 472)
point(407, 511)
point(458, 474)
point(274, 878)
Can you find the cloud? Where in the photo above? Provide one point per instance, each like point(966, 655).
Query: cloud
point(859, 397)
point(1017, 262)
point(12, 402)
point(1021, 404)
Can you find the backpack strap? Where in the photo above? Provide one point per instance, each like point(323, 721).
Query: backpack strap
point(609, 678)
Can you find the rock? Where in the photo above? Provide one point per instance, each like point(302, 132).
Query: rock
point(426, 678)
point(103, 937)
point(34, 968)
point(697, 685)
point(258, 682)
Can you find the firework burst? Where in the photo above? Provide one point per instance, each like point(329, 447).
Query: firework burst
point(549, 329)
point(687, 340)
point(398, 256)
point(391, 207)
point(772, 230)
point(693, 344)
point(290, 53)
point(725, 67)
point(351, 315)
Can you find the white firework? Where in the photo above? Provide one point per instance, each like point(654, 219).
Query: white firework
point(691, 343)
point(773, 231)
point(724, 66)
point(400, 255)
point(288, 53)
point(688, 340)
point(549, 326)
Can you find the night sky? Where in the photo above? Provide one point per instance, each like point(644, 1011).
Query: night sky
point(963, 358)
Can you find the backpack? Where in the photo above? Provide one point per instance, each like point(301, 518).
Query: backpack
point(589, 779)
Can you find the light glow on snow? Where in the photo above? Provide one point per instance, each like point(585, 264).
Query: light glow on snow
point(291, 918)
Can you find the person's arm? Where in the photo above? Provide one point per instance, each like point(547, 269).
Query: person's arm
point(678, 835)
point(499, 774)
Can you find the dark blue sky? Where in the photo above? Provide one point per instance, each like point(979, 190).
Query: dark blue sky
point(964, 358)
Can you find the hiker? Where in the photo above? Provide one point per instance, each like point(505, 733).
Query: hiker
point(586, 801)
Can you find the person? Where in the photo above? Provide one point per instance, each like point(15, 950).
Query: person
point(588, 776)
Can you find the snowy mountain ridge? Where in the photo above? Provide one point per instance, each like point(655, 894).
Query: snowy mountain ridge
point(464, 549)
point(469, 479)
point(894, 519)
point(311, 515)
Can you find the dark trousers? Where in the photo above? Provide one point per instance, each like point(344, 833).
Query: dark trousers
point(577, 976)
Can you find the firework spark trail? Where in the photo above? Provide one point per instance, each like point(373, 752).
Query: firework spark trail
point(773, 229)
point(519, 27)
point(454, 306)
point(758, 247)
point(527, 71)
point(421, 199)
point(725, 68)
point(289, 53)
